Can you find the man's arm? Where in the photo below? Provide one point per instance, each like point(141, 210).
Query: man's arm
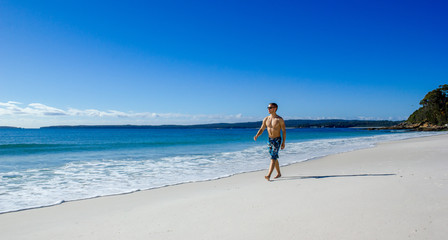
point(262, 128)
point(283, 126)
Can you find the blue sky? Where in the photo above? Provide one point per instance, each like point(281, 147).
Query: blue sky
point(186, 62)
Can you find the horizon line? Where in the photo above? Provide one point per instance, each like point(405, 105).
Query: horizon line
point(194, 125)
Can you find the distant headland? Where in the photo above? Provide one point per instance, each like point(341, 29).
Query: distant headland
point(327, 123)
point(6, 127)
point(432, 115)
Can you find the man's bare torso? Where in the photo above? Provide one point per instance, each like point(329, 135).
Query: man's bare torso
point(273, 126)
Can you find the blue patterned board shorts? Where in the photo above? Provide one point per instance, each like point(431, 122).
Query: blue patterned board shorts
point(274, 146)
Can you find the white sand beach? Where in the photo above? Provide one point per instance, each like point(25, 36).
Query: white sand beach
point(397, 190)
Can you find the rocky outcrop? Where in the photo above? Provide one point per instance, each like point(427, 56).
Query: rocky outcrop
point(424, 126)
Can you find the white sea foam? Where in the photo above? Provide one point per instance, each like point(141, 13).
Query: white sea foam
point(81, 180)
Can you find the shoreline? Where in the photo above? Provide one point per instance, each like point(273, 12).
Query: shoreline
point(248, 204)
point(286, 162)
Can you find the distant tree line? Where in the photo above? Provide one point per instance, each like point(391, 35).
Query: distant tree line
point(338, 123)
point(327, 123)
point(434, 108)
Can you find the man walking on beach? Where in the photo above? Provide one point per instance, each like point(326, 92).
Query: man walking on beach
point(275, 125)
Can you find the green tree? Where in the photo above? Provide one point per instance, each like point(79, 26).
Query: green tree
point(434, 108)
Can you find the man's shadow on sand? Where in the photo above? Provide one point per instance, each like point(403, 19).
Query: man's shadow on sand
point(283, 178)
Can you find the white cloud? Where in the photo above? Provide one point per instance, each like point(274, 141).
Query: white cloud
point(38, 114)
point(10, 108)
point(41, 109)
point(36, 109)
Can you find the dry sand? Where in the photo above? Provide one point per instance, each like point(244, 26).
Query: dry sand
point(397, 190)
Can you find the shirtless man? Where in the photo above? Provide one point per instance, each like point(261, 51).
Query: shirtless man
point(275, 125)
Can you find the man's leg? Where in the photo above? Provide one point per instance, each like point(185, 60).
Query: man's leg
point(277, 167)
point(271, 169)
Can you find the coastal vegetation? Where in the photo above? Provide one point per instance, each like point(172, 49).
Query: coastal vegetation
point(301, 123)
point(433, 110)
point(432, 115)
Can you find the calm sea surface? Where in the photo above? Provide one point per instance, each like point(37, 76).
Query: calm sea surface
point(42, 167)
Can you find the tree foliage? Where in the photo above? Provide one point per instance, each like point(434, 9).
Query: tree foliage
point(434, 108)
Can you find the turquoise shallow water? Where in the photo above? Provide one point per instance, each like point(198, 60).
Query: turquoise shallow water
point(41, 167)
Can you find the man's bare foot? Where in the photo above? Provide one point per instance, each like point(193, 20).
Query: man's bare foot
point(279, 175)
point(267, 178)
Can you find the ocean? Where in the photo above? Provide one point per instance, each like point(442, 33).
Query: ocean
point(44, 167)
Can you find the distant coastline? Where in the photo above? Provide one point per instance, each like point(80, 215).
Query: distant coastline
point(7, 127)
point(328, 123)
